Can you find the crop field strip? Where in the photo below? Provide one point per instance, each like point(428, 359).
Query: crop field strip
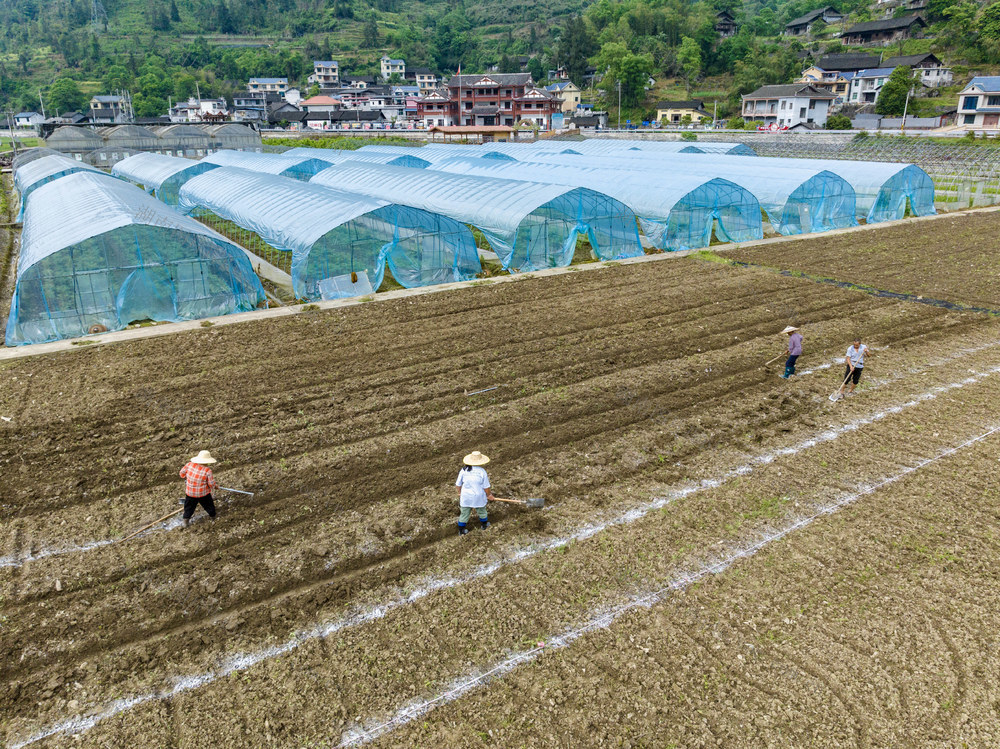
point(642, 549)
point(434, 478)
point(955, 259)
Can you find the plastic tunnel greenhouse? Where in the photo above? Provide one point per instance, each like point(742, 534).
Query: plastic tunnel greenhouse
point(675, 214)
point(29, 176)
point(529, 225)
point(96, 250)
point(301, 168)
point(163, 176)
point(882, 188)
point(432, 153)
point(796, 200)
point(335, 156)
point(340, 243)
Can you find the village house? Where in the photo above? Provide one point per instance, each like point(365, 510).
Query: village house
point(326, 73)
point(674, 112)
point(979, 103)
point(197, 110)
point(107, 109)
point(885, 32)
point(569, 93)
point(786, 105)
point(422, 78)
point(928, 69)
point(493, 99)
point(389, 67)
point(28, 119)
point(848, 62)
point(836, 82)
point(268, 85)
point(803, 24)
point(867, 84)
point(725, 24)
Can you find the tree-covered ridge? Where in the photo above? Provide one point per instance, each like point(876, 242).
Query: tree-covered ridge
point(163, 49)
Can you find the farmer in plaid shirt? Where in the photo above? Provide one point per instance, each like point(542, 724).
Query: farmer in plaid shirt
point(200, 483)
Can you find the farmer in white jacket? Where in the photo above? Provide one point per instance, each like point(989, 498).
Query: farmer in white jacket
point(473, 490)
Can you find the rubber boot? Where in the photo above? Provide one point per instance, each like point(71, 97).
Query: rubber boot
point(462, 530)
point(788, 373)
point(485, 523)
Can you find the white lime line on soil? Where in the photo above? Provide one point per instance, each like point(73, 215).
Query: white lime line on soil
point(604, 619)
point(14, 561)
point(400, 599)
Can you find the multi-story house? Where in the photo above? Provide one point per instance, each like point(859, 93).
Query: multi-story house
point(725, 24)
point(928, 69)
point(979, 103)
point(196, 110)
point(422, 78)
point(867, 84)
point(494, 99)
point(884, 32)
point(326, 73)
point(787, 105)
point(569, 93)
point(389, 67)
point(268, 85)
point(107, 109)
point(803, 24)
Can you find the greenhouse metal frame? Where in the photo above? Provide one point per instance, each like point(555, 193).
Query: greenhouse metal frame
point(340, 243)
point(678, 214)
point(529, 225)
point(162, 176)
point(96, 250)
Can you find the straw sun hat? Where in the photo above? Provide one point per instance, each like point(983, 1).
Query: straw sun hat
point(475, 459)
point(789, 329)
point(204, 457)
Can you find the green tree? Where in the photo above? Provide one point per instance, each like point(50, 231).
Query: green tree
point(117, 78)
point(65, 96)
point(838, 122)
point(892, 98)
point(623, 66)
point(184, 86)
point(175, 15)
point(989, 23)
point(689, 59)
point(224, 23)
point(369, 35)
point(576, 44)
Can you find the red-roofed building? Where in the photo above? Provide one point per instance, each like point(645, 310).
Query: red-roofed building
point(320, 104)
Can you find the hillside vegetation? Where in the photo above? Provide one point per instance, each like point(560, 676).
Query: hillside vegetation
point(168, 49)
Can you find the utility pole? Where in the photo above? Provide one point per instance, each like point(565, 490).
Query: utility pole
point(619, 105)
point(906, 105)
point(42, 102)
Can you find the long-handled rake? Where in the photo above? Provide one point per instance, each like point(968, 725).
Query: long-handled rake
point(171, 514)
point(771, 361)
point(534, 502)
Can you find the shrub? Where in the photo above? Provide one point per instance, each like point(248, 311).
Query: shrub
point(838, 122)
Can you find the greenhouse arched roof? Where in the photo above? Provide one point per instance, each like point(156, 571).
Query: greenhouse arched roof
point(333, 234)
point(530, 225)
point(283, 164)
point(674, 214)
point(96, 250)
point(74, 138)
point(160, 175)
point(32, 175)
point(796, 200)
point(334, 156)
point(430, 154)
point(615, 145)
point(882, 188)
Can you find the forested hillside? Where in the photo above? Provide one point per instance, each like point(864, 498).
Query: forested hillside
point(160, 49)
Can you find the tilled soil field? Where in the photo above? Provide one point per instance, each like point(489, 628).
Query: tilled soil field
point(953, 259)
point(332, 605)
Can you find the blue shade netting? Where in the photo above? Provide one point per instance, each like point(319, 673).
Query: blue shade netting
point(675, 214)
point(797, 200)
point(163, 176)
point(529, 225)
point(96, 250)
point(333, 234)
point(301, 168)
point(882, 188)
point(30, 175)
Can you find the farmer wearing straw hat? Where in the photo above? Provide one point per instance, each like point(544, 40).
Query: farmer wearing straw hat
point(199, 486)
point(473, 490)
point(794, 349)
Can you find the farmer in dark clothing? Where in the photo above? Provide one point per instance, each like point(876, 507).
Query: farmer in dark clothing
point(794, 350)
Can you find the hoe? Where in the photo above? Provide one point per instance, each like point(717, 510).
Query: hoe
point(534, 502)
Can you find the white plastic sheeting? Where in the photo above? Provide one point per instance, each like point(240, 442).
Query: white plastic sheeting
point(332, 233)
point(529, 225)
point(163, 176)
point(796, 199)
point(297, 167)
point(31, 175)
point(675, 214)
point(611, 146)
point(97, 250)
point(334, 156)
